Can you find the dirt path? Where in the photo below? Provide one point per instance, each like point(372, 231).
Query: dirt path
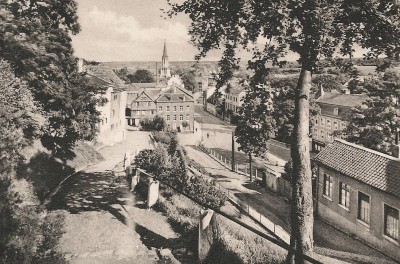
point(104, 223)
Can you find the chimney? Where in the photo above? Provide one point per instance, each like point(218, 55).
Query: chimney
point(80, 65)
point(396, 146)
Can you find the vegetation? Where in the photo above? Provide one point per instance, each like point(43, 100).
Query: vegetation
point(255, 123)
point(141, 76)
point(376, 123)
point(156, 123)
point(311, 29)
point(42, 97)
point(168, 163)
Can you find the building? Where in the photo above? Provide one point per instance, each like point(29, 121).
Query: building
point(358, 191)
point(334, 107)
point(233, 98)
point(112, 113)
point(165, 70)
point(174, 104)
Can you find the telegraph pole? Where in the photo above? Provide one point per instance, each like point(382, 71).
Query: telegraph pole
point(233, 151)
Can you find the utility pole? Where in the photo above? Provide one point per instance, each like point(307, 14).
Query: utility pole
point(233, 150)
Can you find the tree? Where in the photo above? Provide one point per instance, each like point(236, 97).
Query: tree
point(255, 124)
point(141, 76)
point(310, 28)
point(376, 123)
point(189, 81)
point(40, 52)
point(17, 113)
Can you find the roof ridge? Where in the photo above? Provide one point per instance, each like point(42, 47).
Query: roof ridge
point(367, 149)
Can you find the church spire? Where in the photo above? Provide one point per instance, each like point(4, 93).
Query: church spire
point(165, 49)
point(165, 72)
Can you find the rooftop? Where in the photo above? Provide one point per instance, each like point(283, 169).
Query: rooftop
point(371, 167)
point(349, 100)
point(105, 73)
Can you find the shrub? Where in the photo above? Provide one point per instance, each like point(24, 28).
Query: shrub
point(157, 123)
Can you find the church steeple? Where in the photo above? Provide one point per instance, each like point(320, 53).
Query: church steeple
point(165, 71)
point(165, 49)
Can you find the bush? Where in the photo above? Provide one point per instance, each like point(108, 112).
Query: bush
point(157, 123)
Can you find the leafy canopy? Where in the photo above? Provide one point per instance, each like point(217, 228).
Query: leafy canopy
point(35, 40)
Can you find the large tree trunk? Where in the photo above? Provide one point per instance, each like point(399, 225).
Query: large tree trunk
point(302, 220)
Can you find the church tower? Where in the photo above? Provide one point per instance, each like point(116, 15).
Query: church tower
point(165, 72)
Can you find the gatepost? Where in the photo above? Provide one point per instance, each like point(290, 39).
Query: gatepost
point(207, 228)
point(153, 194)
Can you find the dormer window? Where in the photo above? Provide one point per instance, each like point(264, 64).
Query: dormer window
point(335, 111)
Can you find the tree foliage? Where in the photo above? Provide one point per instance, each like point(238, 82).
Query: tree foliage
point(156, 123)
point(312, 29)
point(141, 76)
point(36, 41)
point(376, 123)
point(17, 112)
point(255, 123)
point(189, 81)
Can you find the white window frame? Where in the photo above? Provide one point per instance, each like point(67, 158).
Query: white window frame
point(361, 216)
point(327, 186)
point(394, 236)
point(344, 201)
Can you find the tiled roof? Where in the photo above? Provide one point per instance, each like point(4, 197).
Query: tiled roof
point(105, 73)
point(173, 97)
point(371, 167)
point(349, 100)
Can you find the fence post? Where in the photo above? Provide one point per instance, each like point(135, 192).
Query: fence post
point(256, 174)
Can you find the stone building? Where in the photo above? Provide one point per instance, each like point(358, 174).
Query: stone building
point(333, 110)
point(358, 191)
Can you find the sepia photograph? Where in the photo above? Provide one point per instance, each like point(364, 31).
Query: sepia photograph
point(199, 131)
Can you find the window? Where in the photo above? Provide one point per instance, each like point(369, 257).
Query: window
point(152, 112)
point(322, 134)
point(187, 117)
point(167, 117)
point(174, 118)
point(391, 225)
point(335, 125)
point(363, 207)
point(343, 125)
point(327, 185)
point(344, 195)
point(181, 108)
point(137, 104)
point(315, 133)
point(115, 97)
point(187, 108)
point(335, 111)
point(160, 108)
point(143, 112)
point(181, 117)
point(174, 108)
point(329, 136)
point(316, 121)
point(328, 123)
point(167, 108)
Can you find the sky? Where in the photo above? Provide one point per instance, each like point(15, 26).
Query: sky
point(135, 30)
point(131, 30)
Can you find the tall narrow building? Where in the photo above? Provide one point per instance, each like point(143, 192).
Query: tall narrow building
point(165, 71)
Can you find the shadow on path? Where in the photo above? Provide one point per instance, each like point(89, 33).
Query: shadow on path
point(99, 191)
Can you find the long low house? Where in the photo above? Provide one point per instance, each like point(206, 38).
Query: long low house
point(359, 192)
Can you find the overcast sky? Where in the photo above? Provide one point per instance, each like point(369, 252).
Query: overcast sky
point(131, 30)
point(134, 30)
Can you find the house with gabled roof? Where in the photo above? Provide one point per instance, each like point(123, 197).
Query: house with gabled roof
point(358, 191)
point(334, 107)
point(175, 104)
